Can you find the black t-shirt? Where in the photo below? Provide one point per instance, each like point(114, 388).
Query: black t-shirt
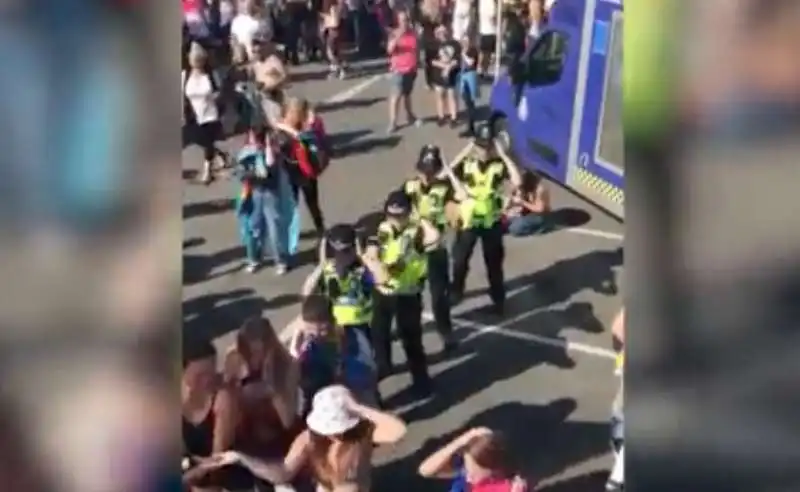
point(515, 35)
point(446, 52)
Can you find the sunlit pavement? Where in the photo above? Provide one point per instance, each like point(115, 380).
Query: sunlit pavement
point(512, 373)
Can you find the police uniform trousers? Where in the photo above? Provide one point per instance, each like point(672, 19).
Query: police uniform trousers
point(439, 287)
point(493, 255)
point(406, 310)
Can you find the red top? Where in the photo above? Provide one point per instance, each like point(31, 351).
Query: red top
point(404, 56)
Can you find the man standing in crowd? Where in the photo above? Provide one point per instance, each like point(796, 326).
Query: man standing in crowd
point(297, 15)
point(249, 25)
point(487, 31)
point(463, 14)
point(483, 169)
point(270, 75)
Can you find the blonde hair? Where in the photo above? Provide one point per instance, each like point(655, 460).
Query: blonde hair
point(197, 54)
point(296, 106)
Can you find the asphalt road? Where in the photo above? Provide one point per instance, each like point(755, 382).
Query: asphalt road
point(543, 373)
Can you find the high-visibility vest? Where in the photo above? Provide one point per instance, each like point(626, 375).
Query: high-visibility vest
point(407, 266)
point(484, 205)
point(352, 305)
point(428, 204)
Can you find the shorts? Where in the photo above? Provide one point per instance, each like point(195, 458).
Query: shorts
point(403, 83)
point(487, 43)
point(441, 82)
point(206, 135)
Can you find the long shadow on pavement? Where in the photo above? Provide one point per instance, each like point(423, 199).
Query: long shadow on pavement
point(564, 278)
point(340, 139)
point(490, 359)
point(197, 267)
point(213, 315)
point(210, 207)
point(349, 104)
point(589, 482)
point(541, 440)
point(367, 145)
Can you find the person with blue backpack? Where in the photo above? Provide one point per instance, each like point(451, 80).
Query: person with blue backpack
point(265, 205)
point(329, 354)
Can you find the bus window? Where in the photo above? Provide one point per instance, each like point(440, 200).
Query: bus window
point(610, 142)
point(545, 61)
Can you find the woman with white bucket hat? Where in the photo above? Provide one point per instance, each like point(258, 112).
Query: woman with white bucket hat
point(337, 446)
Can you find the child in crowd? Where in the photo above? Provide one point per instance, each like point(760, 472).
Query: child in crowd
point(331, 355)
point(468, 86)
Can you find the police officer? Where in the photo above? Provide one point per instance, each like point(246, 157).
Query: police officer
point(400, 246)
point(482, 171)
point(344, 278)
point(430, 194)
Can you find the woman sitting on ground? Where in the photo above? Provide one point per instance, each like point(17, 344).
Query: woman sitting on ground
point(267, 380)
point(337, 447)
point(475, 460)
point(209, 414)
point(528, 209)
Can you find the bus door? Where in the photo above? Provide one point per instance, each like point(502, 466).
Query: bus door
point(597, 148)
point(543, 96)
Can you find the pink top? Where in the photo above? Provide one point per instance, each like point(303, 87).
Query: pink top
point(405, 54)
point(190, 6)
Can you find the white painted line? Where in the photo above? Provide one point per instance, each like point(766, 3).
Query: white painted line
point(355, 90)
point(613, 236)
point(481, 329)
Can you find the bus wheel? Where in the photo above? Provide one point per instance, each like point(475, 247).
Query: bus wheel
point(500, 131)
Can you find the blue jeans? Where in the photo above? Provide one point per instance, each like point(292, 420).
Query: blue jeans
point(469, 90)
point(527, 225)
point(264, 224)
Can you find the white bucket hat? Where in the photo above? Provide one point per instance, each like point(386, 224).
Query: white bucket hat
point(329, 414)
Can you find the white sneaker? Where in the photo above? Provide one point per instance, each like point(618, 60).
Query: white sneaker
point(251, 267)
point(281, 269)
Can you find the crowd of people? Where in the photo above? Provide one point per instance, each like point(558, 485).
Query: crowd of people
point(305, 415)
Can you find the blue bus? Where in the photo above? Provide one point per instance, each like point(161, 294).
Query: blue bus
point(560, 105)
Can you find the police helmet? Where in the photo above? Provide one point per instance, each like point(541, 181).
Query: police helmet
point(341, 237)
point(397, 204)
point(484, 134)
point(430, 159)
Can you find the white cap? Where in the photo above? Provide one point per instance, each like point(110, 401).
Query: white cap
point(329, 414)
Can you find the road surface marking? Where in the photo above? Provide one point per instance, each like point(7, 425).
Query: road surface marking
point(355, 90)
point(595, 233)
point(481, 329)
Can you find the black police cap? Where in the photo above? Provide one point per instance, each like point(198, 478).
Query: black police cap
point(430, 159)
point(341, 236)
point(397, 204)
